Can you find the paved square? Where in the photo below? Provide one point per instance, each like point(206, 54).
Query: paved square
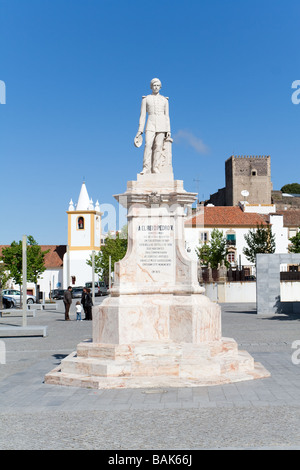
point(258, 414)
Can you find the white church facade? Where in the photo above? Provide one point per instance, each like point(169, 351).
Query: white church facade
point(84, 237)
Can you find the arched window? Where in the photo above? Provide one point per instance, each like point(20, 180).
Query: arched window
point(80, 223)
point(231, 257)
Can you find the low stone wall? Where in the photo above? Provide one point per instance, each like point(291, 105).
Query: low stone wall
point(244, 292)
point(231, 291)
point(290, 291)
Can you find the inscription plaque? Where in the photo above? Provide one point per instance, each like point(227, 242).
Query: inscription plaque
point(156, 249)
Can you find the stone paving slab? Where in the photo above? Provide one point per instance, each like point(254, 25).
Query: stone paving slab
point(255, 414)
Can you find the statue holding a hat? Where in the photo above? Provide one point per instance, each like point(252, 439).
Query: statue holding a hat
point(157, 152)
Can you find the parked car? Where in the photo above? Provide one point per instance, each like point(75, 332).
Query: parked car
point(77, 292)
point(57, 294)
point(8, 302)
point(16, 295)
point(100, 287)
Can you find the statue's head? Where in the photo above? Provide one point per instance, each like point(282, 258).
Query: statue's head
point(155, 84)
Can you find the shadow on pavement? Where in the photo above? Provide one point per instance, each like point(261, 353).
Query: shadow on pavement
point(239, 308)
point(284, 317)
point(59, 357)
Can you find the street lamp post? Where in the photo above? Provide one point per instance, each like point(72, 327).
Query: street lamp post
point(24, 269)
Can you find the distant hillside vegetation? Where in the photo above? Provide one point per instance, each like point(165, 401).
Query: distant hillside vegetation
point(292, 188)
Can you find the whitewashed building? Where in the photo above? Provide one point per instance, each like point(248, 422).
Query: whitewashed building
point(235, 222)
point(52, 277)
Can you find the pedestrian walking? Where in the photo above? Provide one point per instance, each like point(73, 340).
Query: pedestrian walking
point(78, 311)
point(83, 302)
point(88, 304)
point(67, 302)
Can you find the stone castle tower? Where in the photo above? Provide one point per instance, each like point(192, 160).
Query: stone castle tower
point(245, 173)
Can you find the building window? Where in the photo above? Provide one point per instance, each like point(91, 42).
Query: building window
point(253, 173)
point(247, 272)
point(231, 239)
point(203, 237)
point(80, 223)
point(231, 257)
point(292, 232)
point(293, 268)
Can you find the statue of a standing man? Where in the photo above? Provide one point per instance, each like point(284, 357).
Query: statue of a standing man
point(157, 127)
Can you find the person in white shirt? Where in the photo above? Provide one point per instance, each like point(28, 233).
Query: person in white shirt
point(78, 310)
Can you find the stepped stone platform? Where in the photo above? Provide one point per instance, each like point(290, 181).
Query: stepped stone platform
point(151, 364)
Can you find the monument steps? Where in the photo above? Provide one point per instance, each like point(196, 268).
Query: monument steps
point(56, 377)
point(218, 362)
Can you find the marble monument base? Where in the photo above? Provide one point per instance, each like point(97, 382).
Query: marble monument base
point(181, 346)
point(157, 329)
point(147, 364)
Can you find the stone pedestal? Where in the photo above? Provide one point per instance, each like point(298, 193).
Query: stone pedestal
point(157, 329)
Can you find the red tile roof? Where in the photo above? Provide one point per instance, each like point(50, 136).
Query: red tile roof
point(291, 218)
point(225, 216)
point(53, 259)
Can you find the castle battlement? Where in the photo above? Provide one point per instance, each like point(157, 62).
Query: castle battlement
point(249, 156)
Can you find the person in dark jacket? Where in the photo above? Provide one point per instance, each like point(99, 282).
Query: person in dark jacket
point(83, 301)
point(67, 302)
point(88, 304)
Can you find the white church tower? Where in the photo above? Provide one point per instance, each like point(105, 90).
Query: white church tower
point(84, 237)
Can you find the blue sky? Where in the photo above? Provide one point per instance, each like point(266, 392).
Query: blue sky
point(75, 72)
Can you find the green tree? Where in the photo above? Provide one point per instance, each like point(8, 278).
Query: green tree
point(35, 262)
point(291, 188)
point(3, 280)
point(259, 240)
point(115, 247)
point(12, 261)
point(295, 244)
point(215, 251)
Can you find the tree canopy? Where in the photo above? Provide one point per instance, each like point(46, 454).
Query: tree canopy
point(12, 261)
point(259, 240)
point(295, 244)
point(215, 251)
point(115, 247)
point(291, 188)
point(3, 279)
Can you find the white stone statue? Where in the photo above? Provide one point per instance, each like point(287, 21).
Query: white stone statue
point(157, 152)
